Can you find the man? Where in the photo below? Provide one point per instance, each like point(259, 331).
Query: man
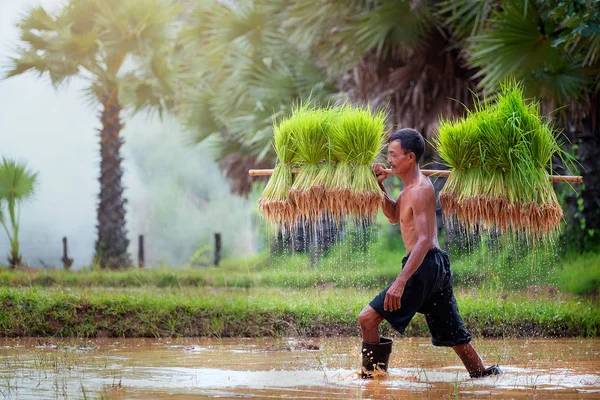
point(425, 283)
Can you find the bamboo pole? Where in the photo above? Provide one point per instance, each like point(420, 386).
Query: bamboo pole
point(431, 172)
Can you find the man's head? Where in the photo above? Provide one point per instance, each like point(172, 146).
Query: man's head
point(405, 148)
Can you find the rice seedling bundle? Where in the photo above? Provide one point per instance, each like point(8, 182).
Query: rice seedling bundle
point(275, 203)
point(498, 155)
point(311, 148)
point(332, 150)
point(356, 139)
point(322, 187)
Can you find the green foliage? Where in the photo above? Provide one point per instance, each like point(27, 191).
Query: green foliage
point(580, 274)
point(517, 43)
point(243, 74)
point(399, 23)
point(260, 312)
point(338, 34)
point(201, 257)
point(503, 262)
point(17, 184)
point(466, 17)
point(580, 23)
point(96, 40)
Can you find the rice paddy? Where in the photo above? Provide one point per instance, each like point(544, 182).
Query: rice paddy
point(294, 367)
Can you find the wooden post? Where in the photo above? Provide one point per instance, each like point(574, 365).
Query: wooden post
point(217, 248)
point(67, 262)
point(141, 251)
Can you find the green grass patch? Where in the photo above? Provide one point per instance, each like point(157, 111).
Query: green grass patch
point(504, 264)
point(581, 275)
point(367, 260)
point(209, 312)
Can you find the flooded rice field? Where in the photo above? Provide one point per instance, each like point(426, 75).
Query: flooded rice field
point(324, 368)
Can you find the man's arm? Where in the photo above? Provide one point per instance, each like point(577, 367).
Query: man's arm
point(391, 208)
point(422, 224)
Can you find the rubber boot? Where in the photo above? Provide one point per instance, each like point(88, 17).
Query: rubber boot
point(493, 370)
point(375, 357)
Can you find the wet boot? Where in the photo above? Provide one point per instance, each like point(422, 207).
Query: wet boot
point(375, 357)
point(493, 370)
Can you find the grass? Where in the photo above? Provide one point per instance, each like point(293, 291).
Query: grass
point(581, 275)
point(151, 312)
point(504, 289)
point(490, 264)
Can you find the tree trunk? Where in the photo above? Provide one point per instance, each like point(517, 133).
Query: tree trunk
point(583, 209)
point(111, 246)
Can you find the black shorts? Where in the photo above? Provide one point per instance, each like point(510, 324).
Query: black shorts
point(429, 292)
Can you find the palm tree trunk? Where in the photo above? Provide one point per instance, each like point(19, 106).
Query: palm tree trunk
point(583, 228)
point(111, 246)
point(582, 212)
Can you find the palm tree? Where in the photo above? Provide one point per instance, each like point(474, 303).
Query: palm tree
point(121, 48)
point(242, 74)
point(17, 184)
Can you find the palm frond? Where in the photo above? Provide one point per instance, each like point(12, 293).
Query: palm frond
point(561, 84)
point(27, 60)
point(150, 92)
point(36, 18)
point(307, 22)
point(17, 182)
point(35, 40)
point(235, 161)
point(466, 17)
point(198, 118)
point(392, 24)
point(517, 43)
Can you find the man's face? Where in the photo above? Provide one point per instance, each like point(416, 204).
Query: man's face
point(399, 159)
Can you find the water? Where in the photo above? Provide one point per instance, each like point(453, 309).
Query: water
point(290, 368)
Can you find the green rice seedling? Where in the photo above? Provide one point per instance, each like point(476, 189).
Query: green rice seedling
point(275, 203)
point(498, 155)
point(341, 181)
point(356, 140)
point(458, 145)
point(311, 147)
point(322, 185)
point(534, 208)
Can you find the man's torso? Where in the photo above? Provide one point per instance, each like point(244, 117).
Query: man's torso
point(407, 199)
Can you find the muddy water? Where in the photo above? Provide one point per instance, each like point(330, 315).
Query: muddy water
point(290, 368)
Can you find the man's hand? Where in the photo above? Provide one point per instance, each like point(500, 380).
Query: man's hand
point(379, 170)
point(393, 296)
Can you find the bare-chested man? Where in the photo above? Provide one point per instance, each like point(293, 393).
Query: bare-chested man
point(425, 283)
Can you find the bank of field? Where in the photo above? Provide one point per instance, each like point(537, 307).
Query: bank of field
point(212, 312)
point(507, 293)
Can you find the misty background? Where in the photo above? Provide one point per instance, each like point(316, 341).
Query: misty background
point(177, 196)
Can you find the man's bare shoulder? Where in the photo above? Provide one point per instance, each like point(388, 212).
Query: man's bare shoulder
point(422, 191)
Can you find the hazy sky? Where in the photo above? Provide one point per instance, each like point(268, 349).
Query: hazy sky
point(55, 133)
